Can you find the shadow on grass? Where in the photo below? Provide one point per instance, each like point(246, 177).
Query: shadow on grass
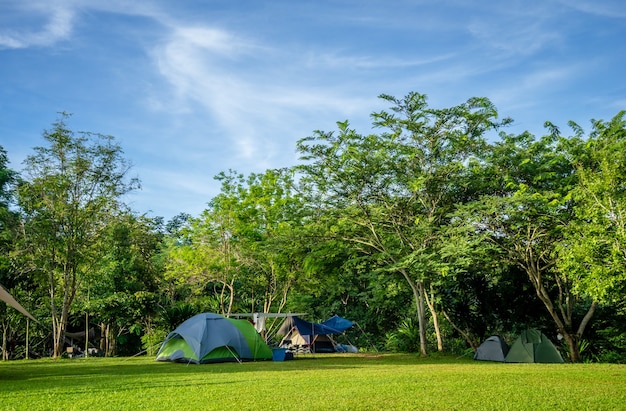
point(111, 368)
point(99, 375)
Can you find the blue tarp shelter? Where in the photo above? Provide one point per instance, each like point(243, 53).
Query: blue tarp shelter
point(337, 323)
point(304, 336)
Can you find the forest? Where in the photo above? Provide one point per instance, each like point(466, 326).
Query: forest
point(433, 233)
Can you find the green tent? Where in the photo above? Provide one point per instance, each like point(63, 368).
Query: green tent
point(209, 337)
point(533, 346)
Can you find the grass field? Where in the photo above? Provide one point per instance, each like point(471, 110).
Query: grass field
point(317, 382)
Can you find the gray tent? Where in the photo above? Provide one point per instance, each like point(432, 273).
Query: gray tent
point(493, 349)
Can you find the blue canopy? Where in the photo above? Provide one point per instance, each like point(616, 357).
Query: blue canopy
point(308, 328)
point(334, 325)
point(338, 323)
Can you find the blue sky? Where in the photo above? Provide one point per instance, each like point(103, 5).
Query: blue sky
point(191, 88)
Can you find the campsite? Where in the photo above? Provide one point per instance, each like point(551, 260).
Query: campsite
point(210, 362)
point(356, 240)
point(312, 205)
point(362, 381)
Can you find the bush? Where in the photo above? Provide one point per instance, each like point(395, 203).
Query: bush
point(152, 339)
point(405, 339)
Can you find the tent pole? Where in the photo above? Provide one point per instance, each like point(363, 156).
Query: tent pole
point(27, 327)
point(86, 334)
point(368, 340)
point(234, 355)
point(87, 327)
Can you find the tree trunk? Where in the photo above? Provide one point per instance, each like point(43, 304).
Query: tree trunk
point(430, 301)
point(53, 314)
point(472, 342)
point(564, 322)
point(421, 314)
point(573, 339)
point(231, 300)
point(418, 295)
point(87, 331)
point(111, 340)
point(59, 329)
point(103, 337)
point(573, 344)
point(5, 355)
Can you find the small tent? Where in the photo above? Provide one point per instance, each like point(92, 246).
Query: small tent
point(208, 337)
point(292, 338)
point(301, 335)
point(533, 346)
point(493, 349)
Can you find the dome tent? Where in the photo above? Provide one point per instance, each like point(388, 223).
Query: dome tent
point(533, 346)
point(493, 349)
point(208, 337)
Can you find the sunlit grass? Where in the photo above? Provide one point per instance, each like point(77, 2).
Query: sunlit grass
point(337, 382)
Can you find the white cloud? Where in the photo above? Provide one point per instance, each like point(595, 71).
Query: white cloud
point(515, 36)
point(58, 25)
point(244, 86)
point(343, 61)
point(604, 8)
point(535, 83)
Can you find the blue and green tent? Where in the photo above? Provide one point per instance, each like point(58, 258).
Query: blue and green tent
point(209, 338)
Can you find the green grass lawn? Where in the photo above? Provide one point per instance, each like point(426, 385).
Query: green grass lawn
point(318, 382)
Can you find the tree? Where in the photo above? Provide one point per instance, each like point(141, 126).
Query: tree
point(8, 229)
point(241, 243)
point(122, 290)
point(268, 217)
point(71, 188)
point(9, 219)
point(525, 217)
point(593, 250)
point(393, 191)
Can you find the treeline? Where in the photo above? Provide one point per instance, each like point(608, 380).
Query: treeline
point(433, 233)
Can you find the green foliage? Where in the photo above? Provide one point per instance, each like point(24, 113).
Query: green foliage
point(424, 219)
point(607, 336)
point(389, 194)
point(405, 339)
point(243, 244)
point(594, 248)
point(152, 339)
point(525, 217)
point(70, 190)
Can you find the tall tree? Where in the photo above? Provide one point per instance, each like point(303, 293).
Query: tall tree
point(122, 291)
point(8, 230)
point(593, 250)
point(71, 187)
point(206, 258)
point(241, 243)
point(8, 218)
point(269, 214)
point(396, 188)
point(526, 217)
